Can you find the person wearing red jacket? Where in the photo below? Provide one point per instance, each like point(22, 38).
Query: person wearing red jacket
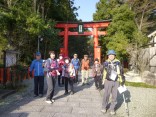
point(60, 63)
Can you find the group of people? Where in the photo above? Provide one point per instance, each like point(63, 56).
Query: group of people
point(64, 69)
point(108, 75)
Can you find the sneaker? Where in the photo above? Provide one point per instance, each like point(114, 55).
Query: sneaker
point(72, 93)
point(40, 95)
point(103, 111)
point(112, 113)
point(48, 101)
point(52, 100)
point(66, 93)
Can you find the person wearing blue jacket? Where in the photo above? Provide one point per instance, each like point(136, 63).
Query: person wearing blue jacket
point(37, 67)
point(76, 63)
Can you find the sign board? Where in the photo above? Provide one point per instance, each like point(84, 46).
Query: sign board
point(80, 28)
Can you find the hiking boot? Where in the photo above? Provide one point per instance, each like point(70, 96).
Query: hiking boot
point(103, 110)
point(112, 113)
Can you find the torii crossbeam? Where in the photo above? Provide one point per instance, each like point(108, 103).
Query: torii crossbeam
point(81, 26)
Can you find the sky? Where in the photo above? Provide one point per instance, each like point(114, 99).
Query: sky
point(86, 10)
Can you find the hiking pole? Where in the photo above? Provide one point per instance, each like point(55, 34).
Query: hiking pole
point(126, 106)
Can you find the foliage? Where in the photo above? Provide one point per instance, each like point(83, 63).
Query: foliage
point(24, 21)
point(123, 33)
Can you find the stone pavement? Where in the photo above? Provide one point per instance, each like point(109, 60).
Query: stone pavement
point(86, 102)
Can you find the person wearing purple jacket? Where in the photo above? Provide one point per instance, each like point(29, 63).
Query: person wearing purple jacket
point(51, 76)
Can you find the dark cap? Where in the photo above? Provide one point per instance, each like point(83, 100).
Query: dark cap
point(96, 59)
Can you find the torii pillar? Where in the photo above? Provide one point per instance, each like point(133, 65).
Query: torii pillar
point(97, 48)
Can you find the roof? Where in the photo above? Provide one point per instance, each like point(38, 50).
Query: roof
point(152, 34)
point(76, 22)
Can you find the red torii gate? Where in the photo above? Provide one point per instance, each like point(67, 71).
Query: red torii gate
point(81, 25)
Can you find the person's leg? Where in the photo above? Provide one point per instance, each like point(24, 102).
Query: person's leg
point(107, 91)
point(59, 79)
point(100, 82)
point(53, 87)
point(71, 82)
point(49, 88)
point(114, 95)
point(76, 78)
point(63, 80)
point(95, 80)
point(66, 84)
point(87, 76)
point(83, 76)
point(41, 84)
point(36, 85)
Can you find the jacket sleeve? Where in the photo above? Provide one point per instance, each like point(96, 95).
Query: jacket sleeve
point(32, 66)
point(104, 70)
point(48, 65)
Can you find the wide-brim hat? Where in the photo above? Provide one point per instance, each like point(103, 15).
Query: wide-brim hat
point(111, 52)
point(66, 58)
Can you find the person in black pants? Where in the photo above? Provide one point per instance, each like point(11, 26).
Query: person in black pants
point(52, 71)
point(97, 74)
point(69, 74)
point(60, 63)
point(37, 66)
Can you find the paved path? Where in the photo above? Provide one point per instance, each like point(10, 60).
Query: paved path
point(86, 102)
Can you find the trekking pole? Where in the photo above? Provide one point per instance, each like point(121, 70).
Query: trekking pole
point(126, 106)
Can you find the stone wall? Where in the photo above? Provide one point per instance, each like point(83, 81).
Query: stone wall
point(147, 59)
point(148, 65)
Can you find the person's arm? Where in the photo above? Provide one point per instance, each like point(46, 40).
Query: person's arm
point(104, 72)
point(48, 65)
point(32, 66)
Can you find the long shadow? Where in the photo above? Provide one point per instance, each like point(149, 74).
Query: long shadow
point(77, 88)
point(80, 87)
point(120, 100)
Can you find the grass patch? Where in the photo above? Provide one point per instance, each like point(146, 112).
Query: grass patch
point(135, 84)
